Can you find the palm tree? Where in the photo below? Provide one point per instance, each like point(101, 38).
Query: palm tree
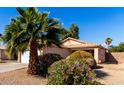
point(11, 32)
point(35, 29)
point(108, 41)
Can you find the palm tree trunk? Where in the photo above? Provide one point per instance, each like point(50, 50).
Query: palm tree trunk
point(19, 57)
point(33, 67)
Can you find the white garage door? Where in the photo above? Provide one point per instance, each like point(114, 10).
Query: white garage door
point(25, 57)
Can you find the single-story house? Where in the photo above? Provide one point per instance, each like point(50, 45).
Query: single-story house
point(70, 45)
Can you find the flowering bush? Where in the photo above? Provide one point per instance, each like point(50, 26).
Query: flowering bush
point(67, 72)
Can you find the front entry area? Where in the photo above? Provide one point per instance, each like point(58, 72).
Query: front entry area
point(97, 53)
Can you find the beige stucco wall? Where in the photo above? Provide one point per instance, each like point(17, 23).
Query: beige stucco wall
point(96, 55)
point(99, 55)
point(63, 52)
point(71, 42)
point(102, 54)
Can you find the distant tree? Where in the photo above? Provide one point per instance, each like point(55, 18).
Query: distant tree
point(108, 41)
point(113, 48)
point(118, 48)
point(73, 32)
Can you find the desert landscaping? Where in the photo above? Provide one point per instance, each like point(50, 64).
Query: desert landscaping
point(20, 77)
point(107, 74)
point(40, 50)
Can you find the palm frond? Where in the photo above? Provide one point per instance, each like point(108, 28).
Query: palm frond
point(21, 11)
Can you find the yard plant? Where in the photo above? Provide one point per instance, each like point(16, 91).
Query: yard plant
point(30, 30)
point(46, 61)
point(83, 55)
point(68, 72)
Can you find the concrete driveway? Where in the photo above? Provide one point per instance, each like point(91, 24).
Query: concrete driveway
point(11, 66)
point(111, 74)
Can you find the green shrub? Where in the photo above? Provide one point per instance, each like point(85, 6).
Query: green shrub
point(67, 72)
point(91, 62)
point(46, 60)
point(83, 55)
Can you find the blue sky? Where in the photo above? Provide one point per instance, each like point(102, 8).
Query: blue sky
point(95, 24)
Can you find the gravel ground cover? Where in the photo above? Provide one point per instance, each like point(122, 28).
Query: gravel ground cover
point(20, 77)
point(108, 74)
